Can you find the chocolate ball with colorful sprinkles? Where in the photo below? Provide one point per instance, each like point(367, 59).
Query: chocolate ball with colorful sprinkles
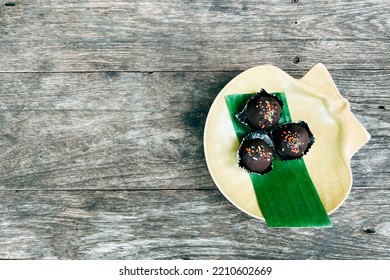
point(255, 154)
point(262, 111)
point(292, 140)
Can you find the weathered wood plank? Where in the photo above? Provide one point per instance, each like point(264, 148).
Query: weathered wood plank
point(367, 91)
point(110, 91)
point(100, 150)
point(140, 131)
point(192, 35)
point(180, 224)
point(113, 150)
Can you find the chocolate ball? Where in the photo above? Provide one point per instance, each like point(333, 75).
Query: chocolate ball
point(255, 155)
point(292, 140)
point(263, 111)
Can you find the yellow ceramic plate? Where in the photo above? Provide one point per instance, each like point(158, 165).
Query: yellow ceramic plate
point(314, 99)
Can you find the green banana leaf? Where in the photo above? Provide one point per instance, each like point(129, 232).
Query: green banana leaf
point(286, 196)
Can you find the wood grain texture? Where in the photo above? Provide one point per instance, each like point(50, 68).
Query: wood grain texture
point(192, 35)
point(366, 90)
point(102, 110)
point(180, 225)
point(140, 131)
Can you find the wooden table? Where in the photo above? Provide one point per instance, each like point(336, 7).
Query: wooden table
point(102, 111)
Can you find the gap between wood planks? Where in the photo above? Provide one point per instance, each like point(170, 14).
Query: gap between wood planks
point(287, 70)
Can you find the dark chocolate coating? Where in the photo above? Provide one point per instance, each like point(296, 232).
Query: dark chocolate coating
point(255, 155)
point(263, 111)
point(291, 140)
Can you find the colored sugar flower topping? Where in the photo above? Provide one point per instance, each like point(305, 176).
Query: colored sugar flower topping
point(292, 140)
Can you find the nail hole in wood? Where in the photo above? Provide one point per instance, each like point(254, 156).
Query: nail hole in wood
point(10, 4)
point(381, 107)
point(369, 230)
point(296, 60)
point(296, 22)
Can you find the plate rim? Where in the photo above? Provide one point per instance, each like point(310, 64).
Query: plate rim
point(318, 68)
